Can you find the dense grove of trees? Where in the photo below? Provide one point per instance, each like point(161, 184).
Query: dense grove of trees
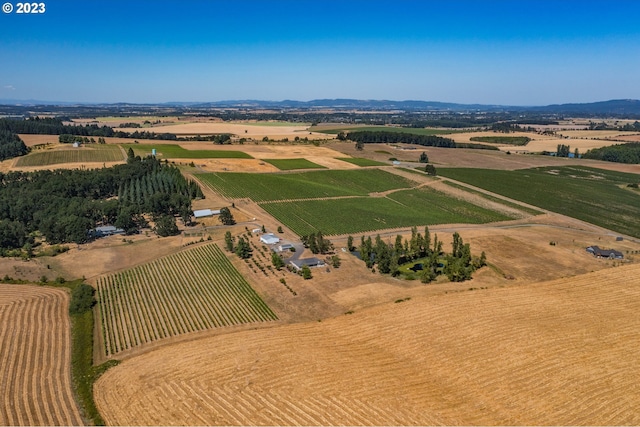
point(619, 153)
point(64, 205)
point(11, 145)
point(367, 137)
point(457, 266)
point(316, 243)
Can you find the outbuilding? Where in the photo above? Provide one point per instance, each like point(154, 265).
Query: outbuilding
point(202, 213)
point(269, 239)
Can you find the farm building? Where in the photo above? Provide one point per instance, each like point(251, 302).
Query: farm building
point(269, 239)
point(309, 262)
point(202, 213)
point(285, 247)
point(106, 230)
point(604, 253)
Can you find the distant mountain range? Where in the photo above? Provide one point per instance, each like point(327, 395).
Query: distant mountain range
point(613, 107)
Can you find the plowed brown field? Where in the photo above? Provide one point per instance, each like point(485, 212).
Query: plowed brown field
point(35, 357)
point(562, 352)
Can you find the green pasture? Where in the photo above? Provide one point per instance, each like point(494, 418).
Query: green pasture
point(292, 164)
point(509, 140)
point(405, 208)
point(174, 151)
point(303, 185)
point(359, 161)
point(593, 195)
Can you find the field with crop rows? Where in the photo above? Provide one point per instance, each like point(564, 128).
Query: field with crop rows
point(75, 155)
point(174, 151)
point(303, 185)
point(192, 290)
point(594, 195)
point(563, 352)
point(359, 161)
point(35, 357)
point(292, 164)
point(361, 214)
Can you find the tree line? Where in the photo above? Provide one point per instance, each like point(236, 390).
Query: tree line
point(367, 137)
point(63, 205)
point(56, 126)
point(619, 153)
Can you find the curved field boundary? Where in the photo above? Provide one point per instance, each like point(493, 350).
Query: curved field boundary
point(193, 290)
point(562, 352)
point(35, 357)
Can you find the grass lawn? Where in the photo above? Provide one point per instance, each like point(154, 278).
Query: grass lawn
point(593, 195)
point(292, 164)
point(174, 151)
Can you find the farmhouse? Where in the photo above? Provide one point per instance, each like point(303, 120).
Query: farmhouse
point(604, 253)
point(202, 213)
point(309, 262)
point(269, 239)
point(106, 230)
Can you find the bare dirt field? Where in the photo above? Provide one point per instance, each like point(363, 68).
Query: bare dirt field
point(554, 353)
point(484, 159)
point(35, 355)
point(31, 140)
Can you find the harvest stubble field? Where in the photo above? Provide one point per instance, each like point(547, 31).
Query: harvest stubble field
point(559, 352)
point(35, 373)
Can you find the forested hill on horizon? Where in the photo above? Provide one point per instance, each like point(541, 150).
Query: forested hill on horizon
point(611, 107)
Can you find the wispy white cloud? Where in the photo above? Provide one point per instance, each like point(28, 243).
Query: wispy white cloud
point(9, 87)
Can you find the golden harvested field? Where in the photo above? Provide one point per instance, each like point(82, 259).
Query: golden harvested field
point(583, 140)
point(253, 130)
point(35, 373)
point(555, 353)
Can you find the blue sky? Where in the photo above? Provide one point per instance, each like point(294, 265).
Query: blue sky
point(492, 52)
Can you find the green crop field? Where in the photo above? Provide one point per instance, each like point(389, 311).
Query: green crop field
point(510, 140)
point(359, 161)
point(292, 164)
point(361, 214)
point(415, 131)
point(72, 155)
point(303, 185)
point(596, 196)
point(189, 291)
point(174, 151)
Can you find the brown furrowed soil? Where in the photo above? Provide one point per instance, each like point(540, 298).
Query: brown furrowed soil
point(562, 352)
point(35, 357)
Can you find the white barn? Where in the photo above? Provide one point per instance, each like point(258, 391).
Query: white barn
point(202, 213)
point(269, 239)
